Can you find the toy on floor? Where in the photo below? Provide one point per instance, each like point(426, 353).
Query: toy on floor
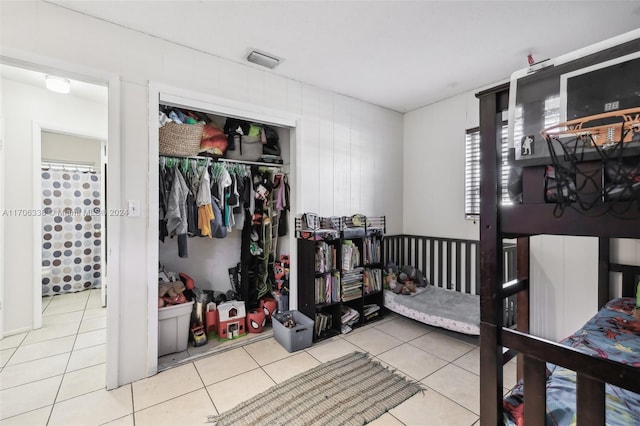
point(256, 320)
point(231, 320)
point(198, 336)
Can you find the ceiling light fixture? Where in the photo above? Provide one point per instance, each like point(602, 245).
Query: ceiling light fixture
point(58, 84)
point(265, 59)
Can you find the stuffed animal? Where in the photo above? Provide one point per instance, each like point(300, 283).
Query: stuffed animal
point(403, 281)
point(171, 293)
point(415, 275)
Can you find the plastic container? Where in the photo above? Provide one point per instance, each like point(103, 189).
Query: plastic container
point(298, 337)
point(173, 328)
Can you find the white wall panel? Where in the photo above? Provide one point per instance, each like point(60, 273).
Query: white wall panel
point(294, 96)
point(325, 160)
point(275, 92)
point(386, 188)
point(579, 284)
point(177, 64)
point(625, 250)
point(547, 297)
point(49, 31)
point(434, 148)
point(342, 160)
point(139, 60)
point(77, 37)
point(24, 36)
point(133, 250)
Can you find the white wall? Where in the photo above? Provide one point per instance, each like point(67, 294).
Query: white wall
point(351, 151)
point(73, 149)
point(23, 105)
point(433, 169)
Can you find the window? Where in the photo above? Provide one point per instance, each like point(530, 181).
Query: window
point(472, 156)
point(472, 171)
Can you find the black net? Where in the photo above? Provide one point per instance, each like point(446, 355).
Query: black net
point(595, 169)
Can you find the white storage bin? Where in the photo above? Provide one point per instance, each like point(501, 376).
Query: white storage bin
point(173, 328)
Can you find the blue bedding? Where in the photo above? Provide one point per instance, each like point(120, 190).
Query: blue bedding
point(612, 333)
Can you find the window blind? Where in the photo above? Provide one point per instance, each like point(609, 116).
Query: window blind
point(472, 156)
point(472, 174)
point(472, 171)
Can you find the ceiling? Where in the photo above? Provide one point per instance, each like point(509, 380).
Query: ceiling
point(398, 54)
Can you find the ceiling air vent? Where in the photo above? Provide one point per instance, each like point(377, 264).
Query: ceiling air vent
point(265, 59)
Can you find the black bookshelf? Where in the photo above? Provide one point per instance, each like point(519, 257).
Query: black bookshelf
point(326, 289)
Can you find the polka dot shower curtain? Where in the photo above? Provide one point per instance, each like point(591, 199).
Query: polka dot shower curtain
point(71, 231)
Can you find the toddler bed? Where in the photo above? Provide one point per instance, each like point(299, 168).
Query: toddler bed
point(613, 333)
point(451, 269)
point(439, 307)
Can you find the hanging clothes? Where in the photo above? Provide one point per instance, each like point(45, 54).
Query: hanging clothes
point(165, 184)
point(176, 214)
point(282, 205)
point(203, 201)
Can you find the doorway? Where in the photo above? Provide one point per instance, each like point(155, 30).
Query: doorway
point(31, 114)
point(72, 223)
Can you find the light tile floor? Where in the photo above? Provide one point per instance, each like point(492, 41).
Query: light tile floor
point(56, 375)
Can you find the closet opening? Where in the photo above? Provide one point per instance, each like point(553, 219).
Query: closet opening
point(229, 283)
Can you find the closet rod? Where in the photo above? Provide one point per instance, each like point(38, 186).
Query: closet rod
point(227, 160)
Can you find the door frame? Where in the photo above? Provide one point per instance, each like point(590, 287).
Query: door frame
point(38, 128)
point(46, 64)
point(222, 106)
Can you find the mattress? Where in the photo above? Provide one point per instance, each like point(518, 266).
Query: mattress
point(613, 334)
point(439, 307)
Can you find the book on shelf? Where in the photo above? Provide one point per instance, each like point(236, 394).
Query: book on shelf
point(371, 248)
point(351, 288)
point(349, 315)
point(371, 311)
point(335, 290)
point(327, 288)
point(350, 255)
point(372, 279)
point(322, 323)
point(325, 257)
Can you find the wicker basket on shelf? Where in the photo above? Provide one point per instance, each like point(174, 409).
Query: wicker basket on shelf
point(180, 139)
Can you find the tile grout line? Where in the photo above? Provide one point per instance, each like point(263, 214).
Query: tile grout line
point(204, 386)
point(133, 406)
point(455, 402)
point(68, 360)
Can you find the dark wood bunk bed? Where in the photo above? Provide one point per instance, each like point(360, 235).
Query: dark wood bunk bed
point(534, 216)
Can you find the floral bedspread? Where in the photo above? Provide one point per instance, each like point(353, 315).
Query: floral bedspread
point(612, 333)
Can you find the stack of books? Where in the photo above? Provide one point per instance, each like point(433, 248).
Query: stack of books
point(349, 316)
point(351, 285)
point(371, 311)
